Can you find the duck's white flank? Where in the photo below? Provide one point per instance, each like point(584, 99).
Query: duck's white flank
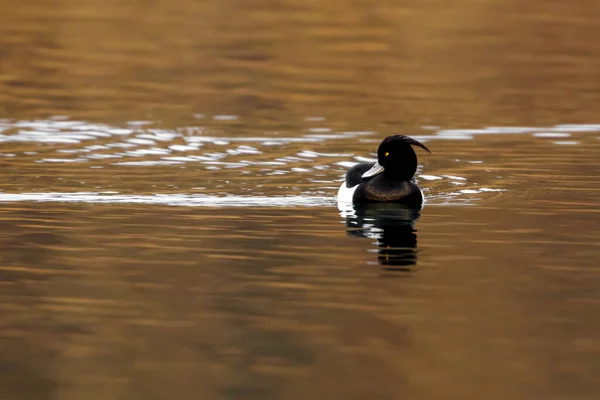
point(345, 193)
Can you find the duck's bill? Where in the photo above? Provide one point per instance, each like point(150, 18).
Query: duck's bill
point(376, 169)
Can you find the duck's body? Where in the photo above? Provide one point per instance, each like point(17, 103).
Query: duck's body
point(390, 179)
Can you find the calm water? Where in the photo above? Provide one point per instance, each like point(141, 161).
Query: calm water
point(168, 222)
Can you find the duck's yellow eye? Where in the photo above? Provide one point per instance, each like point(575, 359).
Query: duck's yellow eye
point(387, 153)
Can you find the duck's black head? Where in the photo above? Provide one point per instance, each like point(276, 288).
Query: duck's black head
point(396, 158)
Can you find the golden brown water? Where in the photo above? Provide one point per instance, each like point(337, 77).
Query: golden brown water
point(168, 222)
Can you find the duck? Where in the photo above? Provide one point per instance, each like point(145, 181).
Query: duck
point(390, 179)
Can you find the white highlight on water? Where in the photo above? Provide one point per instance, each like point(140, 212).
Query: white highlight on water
point(176, 199)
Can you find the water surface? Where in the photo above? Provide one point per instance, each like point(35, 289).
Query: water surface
point(168, 222)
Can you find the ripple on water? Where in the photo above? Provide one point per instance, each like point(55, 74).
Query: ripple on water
point(314, 162)
point(185, 200)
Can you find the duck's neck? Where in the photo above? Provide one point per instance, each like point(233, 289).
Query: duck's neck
point(395, 176)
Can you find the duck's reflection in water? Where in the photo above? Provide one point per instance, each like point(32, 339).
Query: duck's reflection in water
point(392, 225)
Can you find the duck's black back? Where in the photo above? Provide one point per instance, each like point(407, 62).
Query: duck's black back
point(354, 174)
point(383, 189)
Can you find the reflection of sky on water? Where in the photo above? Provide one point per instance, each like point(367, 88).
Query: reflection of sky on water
point(139, 139)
